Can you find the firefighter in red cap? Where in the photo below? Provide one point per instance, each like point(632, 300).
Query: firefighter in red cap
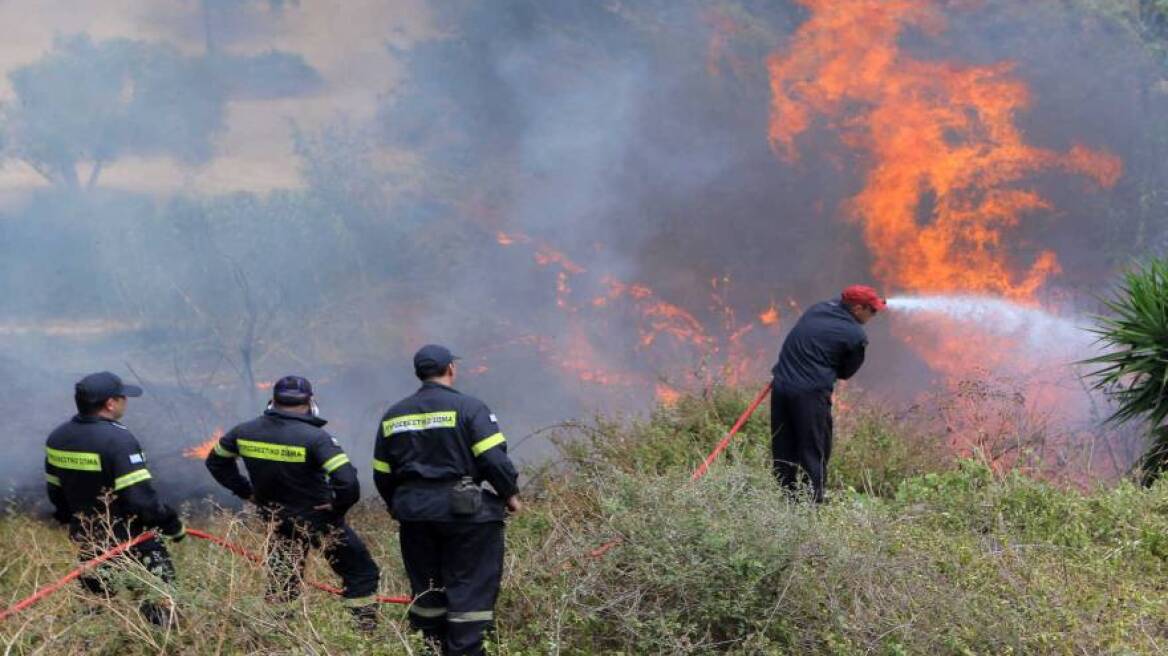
point(827, 344)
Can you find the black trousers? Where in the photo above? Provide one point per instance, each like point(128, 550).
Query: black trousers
point(801, 435)
point(454, 570)
point(346, 554)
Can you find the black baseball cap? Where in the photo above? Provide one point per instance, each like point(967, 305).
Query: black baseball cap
point(432, 360)
point(96, 388)
point(292, 390)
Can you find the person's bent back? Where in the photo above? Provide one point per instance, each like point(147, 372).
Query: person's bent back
point(827, 344)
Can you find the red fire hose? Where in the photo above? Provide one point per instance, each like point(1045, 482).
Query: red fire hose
point(705, 466)
point(255, 558)
point(84, 567)
point(121, 548)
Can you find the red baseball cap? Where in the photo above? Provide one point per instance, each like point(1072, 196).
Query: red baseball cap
point(863, 295)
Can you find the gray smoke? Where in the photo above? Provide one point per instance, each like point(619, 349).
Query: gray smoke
point(208, 201)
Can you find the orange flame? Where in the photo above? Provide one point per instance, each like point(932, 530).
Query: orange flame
point(666, 395)
point(943, 189)
point(547, 255)
point(509, 238)
point(769, 316)
point(658, 316)
point(201, 451)
point(949, 177)
point(666, 332)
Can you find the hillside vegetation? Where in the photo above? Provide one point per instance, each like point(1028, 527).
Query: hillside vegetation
point(915, 553)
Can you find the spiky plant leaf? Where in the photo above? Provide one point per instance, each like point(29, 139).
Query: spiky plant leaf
point(1133, 370)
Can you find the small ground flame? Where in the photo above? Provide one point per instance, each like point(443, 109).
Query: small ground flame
point(671, 341)
point(201, 451)
point(769, 316)
point(666, 395)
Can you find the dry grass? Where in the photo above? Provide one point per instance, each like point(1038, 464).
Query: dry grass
point(917, 553)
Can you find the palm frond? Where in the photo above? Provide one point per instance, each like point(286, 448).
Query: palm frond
point(1133, 370)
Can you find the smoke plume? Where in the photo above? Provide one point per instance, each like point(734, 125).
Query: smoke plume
point(599, 206)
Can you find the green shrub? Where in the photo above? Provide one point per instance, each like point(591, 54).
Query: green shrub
point(874, 452)
point(915, 553)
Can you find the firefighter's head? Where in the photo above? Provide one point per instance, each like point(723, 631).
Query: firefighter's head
point(863, 302)
point(103, 394)
point(435, 363)
point(294, 394)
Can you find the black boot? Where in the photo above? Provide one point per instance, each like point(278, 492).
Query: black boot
point(365, 617)
point(160, 615)
point(435, 642)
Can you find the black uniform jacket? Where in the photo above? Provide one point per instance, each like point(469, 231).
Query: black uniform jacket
point(89, 458)
point(827, 343)
point(294, 465)
point(429, 441)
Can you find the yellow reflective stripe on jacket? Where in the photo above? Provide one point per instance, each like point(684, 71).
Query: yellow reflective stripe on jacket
point(381, 466)
point(471, 616)
point(332, 463)
point(78, 460)
point(420, 422)
point(482, 445)
point(132, 478)
point(270, 451)
point(53, 480)
point(224, 453)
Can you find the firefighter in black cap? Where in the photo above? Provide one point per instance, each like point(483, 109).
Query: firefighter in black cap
point(100, 486)
point(432, 452)
point(303, 482)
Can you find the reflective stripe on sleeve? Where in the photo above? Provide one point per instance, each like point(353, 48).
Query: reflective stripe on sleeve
point(472, 616)
point(53, 480)
point(425, 611)
point(78, 460)
point(381, 466)
point(332, 463)
point(487, 443)
point(133, 478)
point(224, 453)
